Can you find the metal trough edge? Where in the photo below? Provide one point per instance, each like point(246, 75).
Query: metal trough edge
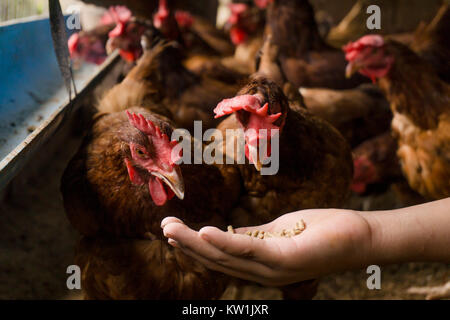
point(17, 158)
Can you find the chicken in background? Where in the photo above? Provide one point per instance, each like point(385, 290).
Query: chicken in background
point(305, 58)
point(144, 9)
point(246, 27)
point(89, 45)
point(140, 9)
point(359, 114)
point(126, 36)
point(194, 32)
point(378, 155)
point(398, 17)
point(208, 51)
point(324, 19)
point(375, 162)
point(324, 23)
point(136, 89)
point(245, 21)
point(203, 44)
point(188, 96)
point(377, 170)
point(420, 102)
point(117, 29)
point(431, 42)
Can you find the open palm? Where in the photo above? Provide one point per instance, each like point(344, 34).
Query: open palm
point(333, 240)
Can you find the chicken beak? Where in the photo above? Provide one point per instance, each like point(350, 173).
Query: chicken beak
point(174, 180)
point(351, 69)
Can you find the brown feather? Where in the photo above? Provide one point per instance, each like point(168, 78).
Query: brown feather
point(420, 102)
point(305, 58)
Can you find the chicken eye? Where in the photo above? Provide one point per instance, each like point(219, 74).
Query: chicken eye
point(140, 152)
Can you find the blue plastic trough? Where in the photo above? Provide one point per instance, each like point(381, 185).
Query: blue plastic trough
point(33, 100)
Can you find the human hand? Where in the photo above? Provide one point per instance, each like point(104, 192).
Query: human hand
point(333, 240)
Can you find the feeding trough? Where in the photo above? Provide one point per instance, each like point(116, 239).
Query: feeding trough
point(33, 100)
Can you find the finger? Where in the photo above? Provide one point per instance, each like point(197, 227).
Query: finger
point(243, 246)
point(227, 270)
point(168, 220)
point(173, 243)
point(187, 238)
point(263, 227)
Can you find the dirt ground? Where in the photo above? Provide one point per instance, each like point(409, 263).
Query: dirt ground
point(37, 243)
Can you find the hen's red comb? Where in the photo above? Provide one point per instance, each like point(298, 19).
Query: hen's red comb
point(107, 18)
point(162, 142)
point(119, 15)
point(353, 48)
point(184, 19)
point(145, 126)
point(262, 4)
point(162, 14)
point(238, 36)
point(249, 103)
point(236, 10)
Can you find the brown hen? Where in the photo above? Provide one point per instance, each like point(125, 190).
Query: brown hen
point(166, 82)
point(315, 165)
point(118, 188)
point(203, 44)
point(305, 57)
point(146, 8)
point(246, 27)
point(431, 42)
point(120, 185)
point(375, 162)
point(359, 114)
point(420, 102)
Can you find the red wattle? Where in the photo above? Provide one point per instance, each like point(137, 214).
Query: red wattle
point(157, 191)
point(117, 31)
point(238, 36)
point(127, 55)
point(358, 187)
point(132, 173)
point(184, 19)
point(73, 43)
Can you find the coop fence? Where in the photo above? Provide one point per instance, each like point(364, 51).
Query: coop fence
point(15, 9)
